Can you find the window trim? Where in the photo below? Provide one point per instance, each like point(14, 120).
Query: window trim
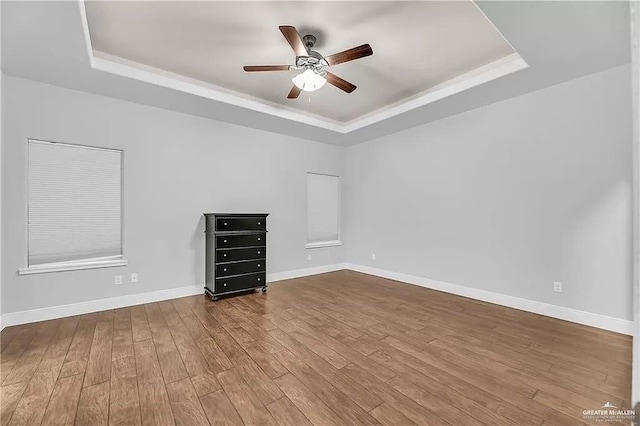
point(332, 243)
point(80, 264)
point(324, 243)
point(73, 266)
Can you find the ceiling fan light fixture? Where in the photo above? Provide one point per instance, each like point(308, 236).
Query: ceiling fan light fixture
point(309, 81)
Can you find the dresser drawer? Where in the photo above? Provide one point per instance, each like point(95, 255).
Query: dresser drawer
point(240, 282)
point(247, 240)
point(236, 268)
point(241, 224)
point(233, 255)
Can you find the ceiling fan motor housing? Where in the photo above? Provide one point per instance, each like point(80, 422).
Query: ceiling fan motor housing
point(309, 41)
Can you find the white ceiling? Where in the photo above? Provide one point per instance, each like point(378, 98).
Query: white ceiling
point(417, 45)
point(44, 41)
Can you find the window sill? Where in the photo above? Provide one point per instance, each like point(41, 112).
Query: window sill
point(324, 244)
point(60, 267)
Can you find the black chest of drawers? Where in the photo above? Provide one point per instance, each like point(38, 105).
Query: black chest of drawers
point(236, 253)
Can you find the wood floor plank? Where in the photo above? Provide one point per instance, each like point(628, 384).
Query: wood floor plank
point(7, 335)
point(155, 408)
point(14, 350)
point(62, 340)
point(424, 375)
point(171, 317)
point(348, 410)
point(315, 410)
point(124, 401)
point(213, 355)
point(28, 362)
point(139, 324)
point(219, 409)
point(122, 335)
point(9, 397)
point(185, 404)
point(194, 362)
point(265, 360)
point(397, 400)
point(450, 411)
point(170, 361)
point(344, 351)
point(355, 391)
point(260, 382)
point(229, 346)
point(205, 383)
point(99, 362)
point(388, 416)
point(63, 403)
point(245, 401)
point(93, 407)
point(33, 403)
point(286, 413)
point(78, 354)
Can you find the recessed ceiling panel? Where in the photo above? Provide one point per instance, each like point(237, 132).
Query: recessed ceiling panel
point(417, 45)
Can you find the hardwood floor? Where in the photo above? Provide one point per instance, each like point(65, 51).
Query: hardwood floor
point(332, 349)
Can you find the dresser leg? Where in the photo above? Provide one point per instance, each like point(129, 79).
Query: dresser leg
point(214, 298)
point(264, 289)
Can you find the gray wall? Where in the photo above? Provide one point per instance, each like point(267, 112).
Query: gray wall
point(176, 167)
point(507, 198)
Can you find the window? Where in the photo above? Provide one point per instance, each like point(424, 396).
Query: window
point(323, 210)
point(74, 207)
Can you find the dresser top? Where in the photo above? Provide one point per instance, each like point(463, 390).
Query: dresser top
point(237, 214)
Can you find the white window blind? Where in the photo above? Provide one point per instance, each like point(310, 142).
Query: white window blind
point(323, 210)
point(75, 203)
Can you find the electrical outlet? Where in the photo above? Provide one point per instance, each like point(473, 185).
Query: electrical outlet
point(118, 279)
point(373, 256)
point(134, 277)
point(557, 287)
point(309, 256)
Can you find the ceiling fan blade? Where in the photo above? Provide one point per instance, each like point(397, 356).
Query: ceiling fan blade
point(294, 93)
point(253, 68)
point(349, 55)
point(340, 83)
point(292, 36)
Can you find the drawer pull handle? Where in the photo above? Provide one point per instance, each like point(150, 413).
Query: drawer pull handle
point(258, 223)
point(258, 266)
point(258, 252)
point(258, 279)
point(224, 241)
point(224, 285)
point(225, 269)
point(225, 224)
point(224, 255)
point(258, 238)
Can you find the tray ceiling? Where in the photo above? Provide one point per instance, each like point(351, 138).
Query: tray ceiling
point(418, 47)
point(47, 41)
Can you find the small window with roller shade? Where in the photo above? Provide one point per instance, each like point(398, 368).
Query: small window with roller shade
point(74, 207)
point(323, 210)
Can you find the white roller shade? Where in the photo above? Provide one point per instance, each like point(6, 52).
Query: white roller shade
point(323, 208)
point(75, 203)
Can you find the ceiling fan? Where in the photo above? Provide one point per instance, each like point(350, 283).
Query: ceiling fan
point(312, 64)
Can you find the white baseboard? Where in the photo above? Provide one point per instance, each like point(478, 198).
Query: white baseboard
point(287, 275)
point(43, 314)
point(568, 314)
